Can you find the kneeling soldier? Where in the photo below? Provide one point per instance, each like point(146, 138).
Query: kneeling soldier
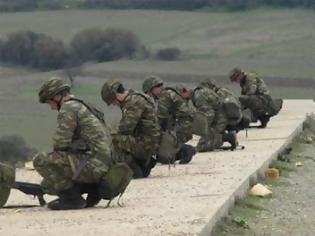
point(81, 158)
point(138, 134)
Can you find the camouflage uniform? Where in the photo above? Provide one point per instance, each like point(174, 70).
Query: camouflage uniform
point(208, 102)
point(231, 106)
point(255, 96)
point(79, 136)
point(174, 114)
point(138, 132)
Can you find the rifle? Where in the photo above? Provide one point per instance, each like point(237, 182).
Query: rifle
point(31, 189)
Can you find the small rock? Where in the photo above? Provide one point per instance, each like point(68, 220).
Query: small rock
point(260, 191)
point(272, 173)
point(298, 164)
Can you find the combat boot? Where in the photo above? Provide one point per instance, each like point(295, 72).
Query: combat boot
point(231, 139)
point(185, 154)
point(148, 167)
point(93, 196)
point(264, 121)
point(69, 199)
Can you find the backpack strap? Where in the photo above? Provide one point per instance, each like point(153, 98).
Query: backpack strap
point(96, 112)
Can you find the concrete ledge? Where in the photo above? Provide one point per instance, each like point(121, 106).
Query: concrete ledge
point(185, 200)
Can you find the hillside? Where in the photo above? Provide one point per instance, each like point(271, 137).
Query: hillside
point(271, 42)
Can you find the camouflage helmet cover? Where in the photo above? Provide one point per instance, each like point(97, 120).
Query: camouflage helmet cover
point(150, 82)
point(236, 73)
point(50, 88)
point(180, 88)
point(109, 91)
point(7, 179)
point(210, 83)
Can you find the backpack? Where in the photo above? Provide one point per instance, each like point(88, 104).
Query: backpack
point(168, 146)
point(118, 177)
point(275, 105)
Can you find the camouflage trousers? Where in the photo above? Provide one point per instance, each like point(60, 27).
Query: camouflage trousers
point(184, 130)
point(258, 104)
point(214, 139)
point(128, 147)
point(58, 170)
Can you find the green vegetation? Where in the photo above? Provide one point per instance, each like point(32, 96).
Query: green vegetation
point(230, 5)
point(278, 43)
point(37, 50)
point(277, 215)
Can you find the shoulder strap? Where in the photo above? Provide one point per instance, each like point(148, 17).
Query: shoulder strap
point(172, 89)
point(96, 112)
point(144, 96)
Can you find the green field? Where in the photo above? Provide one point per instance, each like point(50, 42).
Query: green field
point(274, 43)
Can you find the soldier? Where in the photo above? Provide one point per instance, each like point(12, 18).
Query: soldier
point(208, 103)
point(255, 96)
point(174, 116)
point(81, 156)
point(138, 134)
point(237, 119)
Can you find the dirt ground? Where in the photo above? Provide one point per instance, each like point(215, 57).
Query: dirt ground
point(291, 209)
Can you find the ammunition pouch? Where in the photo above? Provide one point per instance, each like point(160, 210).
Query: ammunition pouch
point(117, 178)
point(168, 146)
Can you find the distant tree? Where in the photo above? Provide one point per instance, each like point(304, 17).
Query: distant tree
point(168, 54)
point(96, 44)
point(33, 49)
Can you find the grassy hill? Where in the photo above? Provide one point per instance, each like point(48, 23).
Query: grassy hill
point(274, 43)
point(269, 41)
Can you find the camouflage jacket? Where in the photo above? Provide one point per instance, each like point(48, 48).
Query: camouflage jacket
point(173, 111)
point(206, 101)
point(139, 117)
point(78, 130)
point(252, 85)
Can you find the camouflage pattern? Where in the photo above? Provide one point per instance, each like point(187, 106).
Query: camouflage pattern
point(174, 114)
point(207, 101)
point(138, 133)
point(255, 94)
point(109, 90)
point(50, 88)
point(150, 82)
point(79, 136)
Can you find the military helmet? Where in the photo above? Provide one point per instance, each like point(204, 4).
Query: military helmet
point(7, 179)
point(180, 88)
point(50, 88)
point(210, 83)
point(109, 91)
point(150, 82)
point(236, 73)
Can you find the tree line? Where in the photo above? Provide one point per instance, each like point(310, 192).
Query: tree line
point(41, 51)
point(232, 5)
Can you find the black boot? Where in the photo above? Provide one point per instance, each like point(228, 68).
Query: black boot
point(136, 169)
point(230, 138)
point(69, 199)
point(185, 154)
point(93, 196)
point(264, 121)
point(146, 169)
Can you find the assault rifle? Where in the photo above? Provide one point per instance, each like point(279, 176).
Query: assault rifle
point(31, 189)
